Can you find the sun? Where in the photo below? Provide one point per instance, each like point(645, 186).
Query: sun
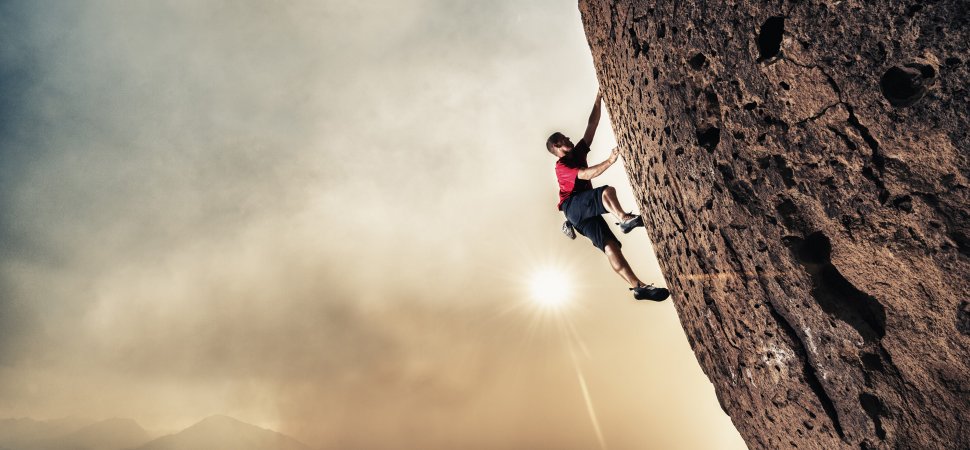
point(550, 288)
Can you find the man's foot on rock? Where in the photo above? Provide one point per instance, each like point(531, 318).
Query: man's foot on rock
point(649, 292)
point(628, 225)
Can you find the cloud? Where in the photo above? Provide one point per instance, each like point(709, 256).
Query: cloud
point(231, 191)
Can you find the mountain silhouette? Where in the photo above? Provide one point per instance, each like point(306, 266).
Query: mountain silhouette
point(223, 432)
point(25, 433)
point(111, 434)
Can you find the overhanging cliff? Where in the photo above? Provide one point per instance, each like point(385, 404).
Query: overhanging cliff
point(803, 169)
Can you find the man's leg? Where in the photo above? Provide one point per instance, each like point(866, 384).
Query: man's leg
point(612, 204)
point(613, 253)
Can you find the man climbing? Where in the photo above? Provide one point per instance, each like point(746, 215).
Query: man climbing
point(584, 205)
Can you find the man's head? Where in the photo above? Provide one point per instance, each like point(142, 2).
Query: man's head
point(558, 144)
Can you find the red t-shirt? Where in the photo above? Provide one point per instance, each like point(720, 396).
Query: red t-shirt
point(567, 171)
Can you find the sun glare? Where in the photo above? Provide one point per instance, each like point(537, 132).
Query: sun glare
point(549, 288)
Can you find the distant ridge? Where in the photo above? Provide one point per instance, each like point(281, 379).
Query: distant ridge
point(25, 433)
point(212, 433)
point(223, 432)
point(110, 434)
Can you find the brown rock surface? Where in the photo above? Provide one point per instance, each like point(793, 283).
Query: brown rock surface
point(803, 169)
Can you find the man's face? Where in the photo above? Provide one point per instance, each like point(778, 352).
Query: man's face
point(563, 146)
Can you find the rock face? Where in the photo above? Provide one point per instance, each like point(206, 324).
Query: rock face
point(803, 167)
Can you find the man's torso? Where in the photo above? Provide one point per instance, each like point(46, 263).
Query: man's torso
point(567, 172)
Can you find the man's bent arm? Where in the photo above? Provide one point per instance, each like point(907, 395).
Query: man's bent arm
point(594, 171)
point(594, 120)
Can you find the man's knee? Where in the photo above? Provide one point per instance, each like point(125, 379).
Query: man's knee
point(608, 191)
point(614, 256)
point(611, 248)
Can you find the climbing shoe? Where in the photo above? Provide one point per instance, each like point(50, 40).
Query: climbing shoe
point(568, 230)
point(649, 292)
point(630, 224)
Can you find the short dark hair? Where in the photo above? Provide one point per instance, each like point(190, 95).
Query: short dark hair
point(556, 138)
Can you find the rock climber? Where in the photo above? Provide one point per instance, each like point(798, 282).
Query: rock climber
point(585, 205)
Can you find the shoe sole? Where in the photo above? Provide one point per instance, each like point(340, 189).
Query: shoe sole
point(666, 295)
point(629, 229)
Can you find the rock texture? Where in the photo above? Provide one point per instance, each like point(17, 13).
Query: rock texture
point(804, 170)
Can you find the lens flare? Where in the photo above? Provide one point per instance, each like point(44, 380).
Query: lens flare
point(549, 288)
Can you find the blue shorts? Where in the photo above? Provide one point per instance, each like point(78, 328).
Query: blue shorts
point(585, 211)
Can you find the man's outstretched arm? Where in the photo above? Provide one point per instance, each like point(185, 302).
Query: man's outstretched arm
point(594, 120)
point(594, 171)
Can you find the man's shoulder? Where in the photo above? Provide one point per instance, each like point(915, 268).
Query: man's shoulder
point(566, 163)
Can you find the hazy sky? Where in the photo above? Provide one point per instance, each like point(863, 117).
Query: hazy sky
point(319, 217)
